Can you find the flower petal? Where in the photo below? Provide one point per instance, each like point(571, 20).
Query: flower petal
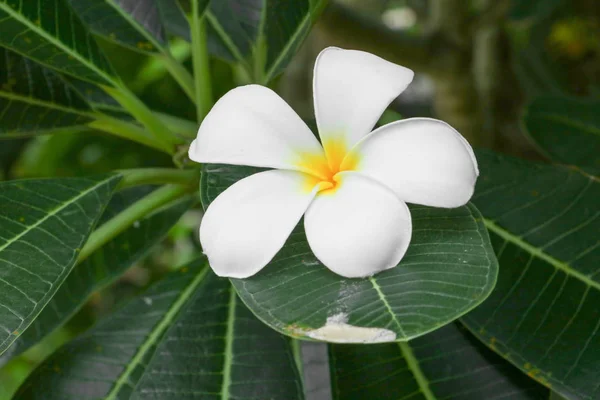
point(252, 125)
point(247, 224)
point(359, 229)
point(424, 161)
point(351, 90)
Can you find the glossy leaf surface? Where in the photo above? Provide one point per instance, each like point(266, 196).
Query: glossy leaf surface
point(446, 364)
point(449, 269)
point(45, 222)
point(101, 268)
point(265, 34)
point(567, 130)
point(188, 337)
point(543, 315)
point(34, 99)
point(49, 32)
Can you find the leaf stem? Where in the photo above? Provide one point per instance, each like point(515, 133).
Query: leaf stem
point(149, 176)
point(127, 217)
point(180, 74)
point(201, 63)
point(128, 131)
point(144, 115)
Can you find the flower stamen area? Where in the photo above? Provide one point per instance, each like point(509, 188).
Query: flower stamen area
point(325, 170)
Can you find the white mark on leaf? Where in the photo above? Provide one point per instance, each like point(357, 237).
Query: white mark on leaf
point(337, 330)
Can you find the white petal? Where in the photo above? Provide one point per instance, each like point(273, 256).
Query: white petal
point(252, 125)
point(351, 90)
point(247, 224)
point(424, 161)
point(359, 229)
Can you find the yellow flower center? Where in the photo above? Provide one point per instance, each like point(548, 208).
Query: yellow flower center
point(324, 170)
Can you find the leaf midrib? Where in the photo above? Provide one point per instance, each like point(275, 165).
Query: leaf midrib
point(539, 253)
point(228, 353)
point(33, 27)
point(415, 368)
point(46, 104)
point(138, 27)
point(55, 211)
point(157, 333)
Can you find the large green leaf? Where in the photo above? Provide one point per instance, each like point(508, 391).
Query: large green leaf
point(48, 32)
point(43, 225)
point(35, 99)
point(543, 315)
point(567, 130)
point(449, 269)
point(263, 33)
point(139, 24)
point(446, 364)
point(187, 337)
point(101, 268)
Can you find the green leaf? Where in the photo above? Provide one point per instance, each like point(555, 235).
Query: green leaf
point(263, 33)
point(35, 99)
point(48, 32)
point(446, 364)
point(138, 24)
point(101, 268)
point(448, 270)
point(566, 130)
point(43, 225)
point(533, 9)
point(543, 314)
point(174, 18)
point(187, 337)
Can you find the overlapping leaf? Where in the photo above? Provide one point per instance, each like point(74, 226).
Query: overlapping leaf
point(449, 269)
point(48, 32)
point(262, 33)
point(543, 315)
point(45, 222)
point(446, 364)
point(567, 130)
point(140, 24)
point(101, 268)
point(187, 337)
point(35, 99)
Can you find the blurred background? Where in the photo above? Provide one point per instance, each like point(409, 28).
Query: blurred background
point(478, 63)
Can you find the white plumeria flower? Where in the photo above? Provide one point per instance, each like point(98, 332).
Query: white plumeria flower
point(352, 190)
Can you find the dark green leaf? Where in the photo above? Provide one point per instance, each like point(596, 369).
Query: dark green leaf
point(187, 337)
point(48, 32)
point(134, 23)
point(262, 33)
point(446, 364)
point(533, 9)
point(174, 19)
point(543, 315)
point(101, 268)
point(35, 99)
point(43, 225)
point(449, 269)
point(566, 130)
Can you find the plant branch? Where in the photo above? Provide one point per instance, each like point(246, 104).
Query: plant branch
point(201, 63)
point(127, 217)
point(148, 176)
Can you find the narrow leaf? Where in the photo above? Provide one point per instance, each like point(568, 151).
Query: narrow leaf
point(187, 337)
point(566, 130)
point(543, 314)
point(446, 364)
point(101, 268)
point(449, 269)
point(48, 32)
point(34, 99)
point(43, 225)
